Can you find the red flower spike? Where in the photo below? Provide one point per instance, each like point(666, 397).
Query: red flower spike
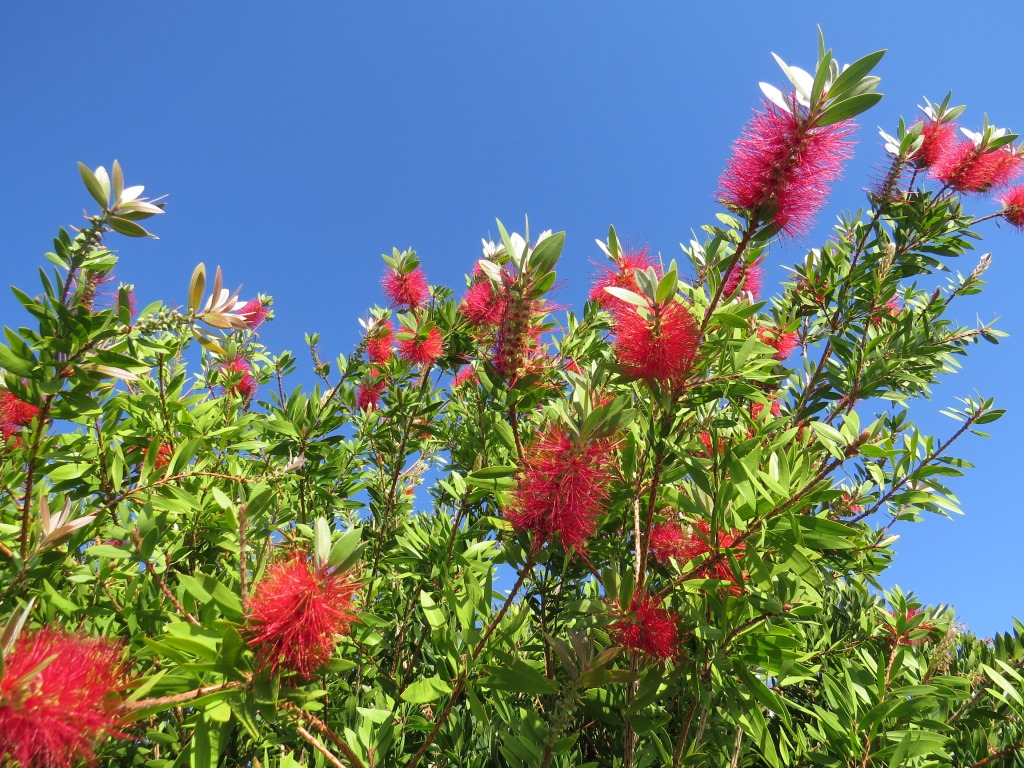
point(905, 638)
point(890, 311)
point(368, 394)
point(1013, 206)
point(380, 342)
point(15, 413)
point(647, 630)
point(422, 350)
point(937, 140)
point(465, 375)
point(242, 370)
point(408, 291)
point(784, 167)
point(482, 305)
point(782, 343)
point(966, 168)
point(744, 278)
point(659, 348)
point(295, 614)
point(163, 455)
point(58, 715)
point(562, 488)
point(696, 541)
point(623, 277)
point(757, 408)
point(254, 313)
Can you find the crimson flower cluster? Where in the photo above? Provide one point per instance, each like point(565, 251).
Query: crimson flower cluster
point(623, 277)
point(647, 629)
point(657, 347)
point(685, 543)
point(380, 342)
point(240, 371)
point(562, 489)
point(744, 278)
point(422, 347)
point(782, 343)
point(15, 414)
point(371, 390)
point(59, 697)
point(408, 290)
point(783, 165)
point(916, 636)
point(295, 615)
point(255, 313)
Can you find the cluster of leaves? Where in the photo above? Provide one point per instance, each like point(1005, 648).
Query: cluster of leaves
point(702, 592)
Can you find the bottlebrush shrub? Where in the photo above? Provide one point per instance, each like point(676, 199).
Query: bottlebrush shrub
point(503, 533)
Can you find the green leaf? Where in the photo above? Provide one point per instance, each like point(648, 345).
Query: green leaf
point(853, 73)
point(519, 677)
point(435, 617)
point(16, 364)
point(346, 549)
point(545, 255)
point(127, 227)
point(107, 551)
point(426, 690)
point(628, 296)
point(93, 185)
point(847, 108)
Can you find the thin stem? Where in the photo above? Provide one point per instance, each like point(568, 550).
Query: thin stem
point(325, 731)
point(315, 742)
point(178, 698)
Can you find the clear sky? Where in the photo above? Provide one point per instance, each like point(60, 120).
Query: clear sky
point(299, 141)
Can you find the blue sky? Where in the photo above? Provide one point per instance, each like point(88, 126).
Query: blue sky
point(298, 143)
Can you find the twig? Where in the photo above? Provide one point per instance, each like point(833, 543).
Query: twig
point(178, 698)
point(319, 747)
point(326, 731)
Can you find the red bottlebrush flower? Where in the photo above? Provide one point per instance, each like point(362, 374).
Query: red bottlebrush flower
point(710, 448)
point(890, 311)
point(1013, 206)
point(915, 636)
point(783, 167)
point(254, 313)
point(937, 140)
point(58, 715)
point(845, 505)
point(696, 541)
point(295, 614)
point(239, 371)
point(967, 168)
point(465, 375)
point(369, 393)
point(745, 278)
point(659, 348)
point(623, 277)
point(422, 349)
point(483, 306)
point(647, 630)
point(380, 342)
point(15, 413)
point(757, 408)
point(562, 488)
point(782, 343)
point(406, 291)
point(163, 455)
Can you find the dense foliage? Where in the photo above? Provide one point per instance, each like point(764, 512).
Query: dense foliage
point(499, 533)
